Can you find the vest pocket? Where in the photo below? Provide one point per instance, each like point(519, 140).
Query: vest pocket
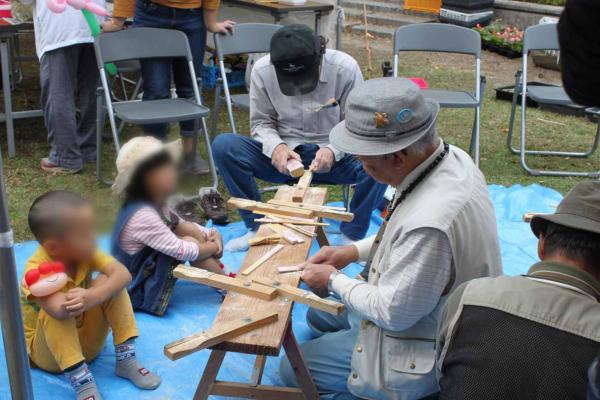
point(406, 362)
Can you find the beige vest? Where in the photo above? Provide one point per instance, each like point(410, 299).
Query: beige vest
point(453, 199)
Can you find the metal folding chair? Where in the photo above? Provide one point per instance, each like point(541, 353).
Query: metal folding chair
point(139, 44)
point(247, 39)
point(434, 37)
point(543, 37)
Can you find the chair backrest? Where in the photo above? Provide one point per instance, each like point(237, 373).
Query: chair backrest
point(141, 43)
point(540, 37)
point(247, 38)
point(437, 37)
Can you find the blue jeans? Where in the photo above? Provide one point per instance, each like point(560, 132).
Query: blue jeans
point(328, 356)
point(156, 72)
point(240, 160)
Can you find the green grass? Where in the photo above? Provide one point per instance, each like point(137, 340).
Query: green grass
point(25, 180)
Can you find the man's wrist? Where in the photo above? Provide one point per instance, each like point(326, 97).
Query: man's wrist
point(332, 277)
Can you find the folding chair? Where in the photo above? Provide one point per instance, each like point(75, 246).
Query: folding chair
point(543, 37)
point(247, 39)
point(139, 44)
point(434, 37)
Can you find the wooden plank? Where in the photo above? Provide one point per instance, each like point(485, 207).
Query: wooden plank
point(264, 258)
point(295, 168)
point(301, 188)
point(273, 220)
point(263, 392)
point(301, 296)
point(299, 229)
point(286, 233)
point(338, 213)
point(289, 268)
point(268, 340)
point(216, 334)
point(261, 208)
point(270, 239)
point(223, 282)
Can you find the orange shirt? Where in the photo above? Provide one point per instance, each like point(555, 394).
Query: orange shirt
point(126, 8)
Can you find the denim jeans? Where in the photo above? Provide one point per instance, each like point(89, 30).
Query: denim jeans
point(156, 72)
point(240, 160)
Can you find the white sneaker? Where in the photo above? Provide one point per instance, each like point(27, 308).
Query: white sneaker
point(240, 243)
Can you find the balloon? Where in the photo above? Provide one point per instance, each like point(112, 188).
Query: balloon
point(56, 6)
point(59, 6)
point(46, 279)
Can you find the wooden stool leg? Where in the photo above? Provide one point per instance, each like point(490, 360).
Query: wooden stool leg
point(294, 355)
point(322, 237)
point(257, 370)
point(210, 375)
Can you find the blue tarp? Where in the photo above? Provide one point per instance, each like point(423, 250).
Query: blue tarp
point(194, 307)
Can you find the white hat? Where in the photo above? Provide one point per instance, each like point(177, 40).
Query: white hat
point(135, 152)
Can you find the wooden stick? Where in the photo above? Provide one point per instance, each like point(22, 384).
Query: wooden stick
point(258, 207)
point(223, 282)
point(263, 259)
point(301, 296)
point(300, 230)
point(295, 168)
point(301, 187)
point(217, 334)
point(306, 206)
point(319, 211)
point(286, 233)
point(291, 221)
point(271, 239)
point(290, 268)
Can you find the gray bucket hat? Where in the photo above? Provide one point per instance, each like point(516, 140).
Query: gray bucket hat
point(383, 116)
point(580, 209)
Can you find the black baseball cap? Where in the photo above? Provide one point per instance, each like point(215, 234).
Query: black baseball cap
point(296, 56)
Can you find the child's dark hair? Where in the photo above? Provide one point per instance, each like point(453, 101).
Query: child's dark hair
point(47, 213)
point(136, 191)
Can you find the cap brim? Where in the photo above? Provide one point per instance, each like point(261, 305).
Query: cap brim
point(351, 143)
point(298, 84)
point(539, 223)
point(123, 179)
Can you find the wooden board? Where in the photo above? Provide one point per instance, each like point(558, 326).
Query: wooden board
point(263, 259)
point(267, 340)
point(301, 296)
point(337, 213)
point(223, 282)
point(216, 334)
point(266, 208)
point(295, 168)
point(301, 188)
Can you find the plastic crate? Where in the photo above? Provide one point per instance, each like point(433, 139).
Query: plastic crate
point(426, 6)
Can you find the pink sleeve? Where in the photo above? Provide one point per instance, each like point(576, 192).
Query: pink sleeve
point(147, 227)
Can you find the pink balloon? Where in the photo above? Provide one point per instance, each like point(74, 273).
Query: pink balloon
point(76, 4)
point(56, 6)
point(96, 9)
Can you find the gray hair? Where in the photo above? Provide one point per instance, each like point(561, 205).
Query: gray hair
point(420, 147)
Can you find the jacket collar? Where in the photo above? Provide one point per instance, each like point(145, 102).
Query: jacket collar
point(568, 275)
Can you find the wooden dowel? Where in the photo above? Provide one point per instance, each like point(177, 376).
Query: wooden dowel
point(290, 221)
point(262, 259)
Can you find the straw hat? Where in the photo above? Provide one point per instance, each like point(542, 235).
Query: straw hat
point(135, 152)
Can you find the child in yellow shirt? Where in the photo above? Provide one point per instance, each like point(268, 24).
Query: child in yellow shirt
point(68, 328)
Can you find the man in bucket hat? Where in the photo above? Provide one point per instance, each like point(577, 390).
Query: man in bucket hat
point(440, 231)
point(531, 336)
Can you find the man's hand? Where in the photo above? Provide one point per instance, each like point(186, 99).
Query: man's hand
point(225, 27)
point(112, 24)
point(338, 257)
point(280, 157)
point(79, 300)
point(323, 161)
point(215, 236)
point(316, 276)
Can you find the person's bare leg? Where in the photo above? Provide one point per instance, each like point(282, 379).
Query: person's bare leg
point(209, 263)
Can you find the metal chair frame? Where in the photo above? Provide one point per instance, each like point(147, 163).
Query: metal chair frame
point(435, 37)
point(542, 37)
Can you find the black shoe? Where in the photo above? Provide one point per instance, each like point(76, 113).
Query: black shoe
point(214, 206)
point(190, 211)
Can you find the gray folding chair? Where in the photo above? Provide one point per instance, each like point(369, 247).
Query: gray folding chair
point(543, 37)
point(139, 44)
point(434, 37)
point(247, 39)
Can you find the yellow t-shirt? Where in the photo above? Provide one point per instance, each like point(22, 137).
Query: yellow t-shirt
point(30, 309)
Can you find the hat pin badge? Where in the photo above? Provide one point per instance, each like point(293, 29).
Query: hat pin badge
point(381, 120)
point(404, 115)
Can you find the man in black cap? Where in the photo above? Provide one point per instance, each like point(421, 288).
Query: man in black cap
point(297, 95)
point(531, 336)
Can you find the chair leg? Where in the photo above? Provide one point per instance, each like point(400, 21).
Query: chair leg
point(211, 160)
point(215, 112)
point(513, 111)
point(100, 120)
point(476, 137)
